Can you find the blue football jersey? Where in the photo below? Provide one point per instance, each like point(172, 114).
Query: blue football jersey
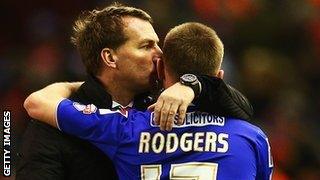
point(205, 147)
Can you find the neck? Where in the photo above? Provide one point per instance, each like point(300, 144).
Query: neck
point(170, 79)
point(118, 93)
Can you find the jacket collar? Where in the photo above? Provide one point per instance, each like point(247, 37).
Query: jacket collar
point(94, 90)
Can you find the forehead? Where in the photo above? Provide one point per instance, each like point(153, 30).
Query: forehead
point(139, 30)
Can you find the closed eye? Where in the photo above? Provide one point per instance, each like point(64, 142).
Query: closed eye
point(148, 46)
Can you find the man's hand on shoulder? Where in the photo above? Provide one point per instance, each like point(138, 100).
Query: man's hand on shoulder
point(173, 100)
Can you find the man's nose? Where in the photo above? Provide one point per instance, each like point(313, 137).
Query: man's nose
point(158, 49)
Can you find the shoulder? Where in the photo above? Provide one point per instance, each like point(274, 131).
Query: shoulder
point(245, 128)
point(251, 134)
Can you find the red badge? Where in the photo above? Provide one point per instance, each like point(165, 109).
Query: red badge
point(89, 109)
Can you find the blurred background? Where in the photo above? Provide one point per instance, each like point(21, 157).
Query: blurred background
point(272, 55)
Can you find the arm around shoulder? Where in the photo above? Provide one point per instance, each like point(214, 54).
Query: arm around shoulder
point(41, 105)
point(218, 97)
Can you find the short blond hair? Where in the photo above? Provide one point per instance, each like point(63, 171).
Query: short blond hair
point(193, 48)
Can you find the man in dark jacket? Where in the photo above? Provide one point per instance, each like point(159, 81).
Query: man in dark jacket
point(113, 63)
point(79, 159)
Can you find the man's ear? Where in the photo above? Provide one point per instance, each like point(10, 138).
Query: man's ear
point(108, 57)
point(160, 69)
point(220, 74)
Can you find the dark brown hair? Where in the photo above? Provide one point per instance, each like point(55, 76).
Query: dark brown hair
point(193, 48)
point(98, 29)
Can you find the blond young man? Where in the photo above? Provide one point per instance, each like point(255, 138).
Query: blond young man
point(205, 145)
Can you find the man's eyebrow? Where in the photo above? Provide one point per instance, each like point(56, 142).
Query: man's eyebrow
point(149, 41)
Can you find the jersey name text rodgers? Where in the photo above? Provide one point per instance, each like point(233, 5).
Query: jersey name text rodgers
point(170, 142)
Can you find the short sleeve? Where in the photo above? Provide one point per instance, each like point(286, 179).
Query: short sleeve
point(85, 122)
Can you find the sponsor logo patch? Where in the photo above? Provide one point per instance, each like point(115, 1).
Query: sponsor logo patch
point(86, 109)
point(195, 118)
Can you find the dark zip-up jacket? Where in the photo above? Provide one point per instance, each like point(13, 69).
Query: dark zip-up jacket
point(47, 153)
